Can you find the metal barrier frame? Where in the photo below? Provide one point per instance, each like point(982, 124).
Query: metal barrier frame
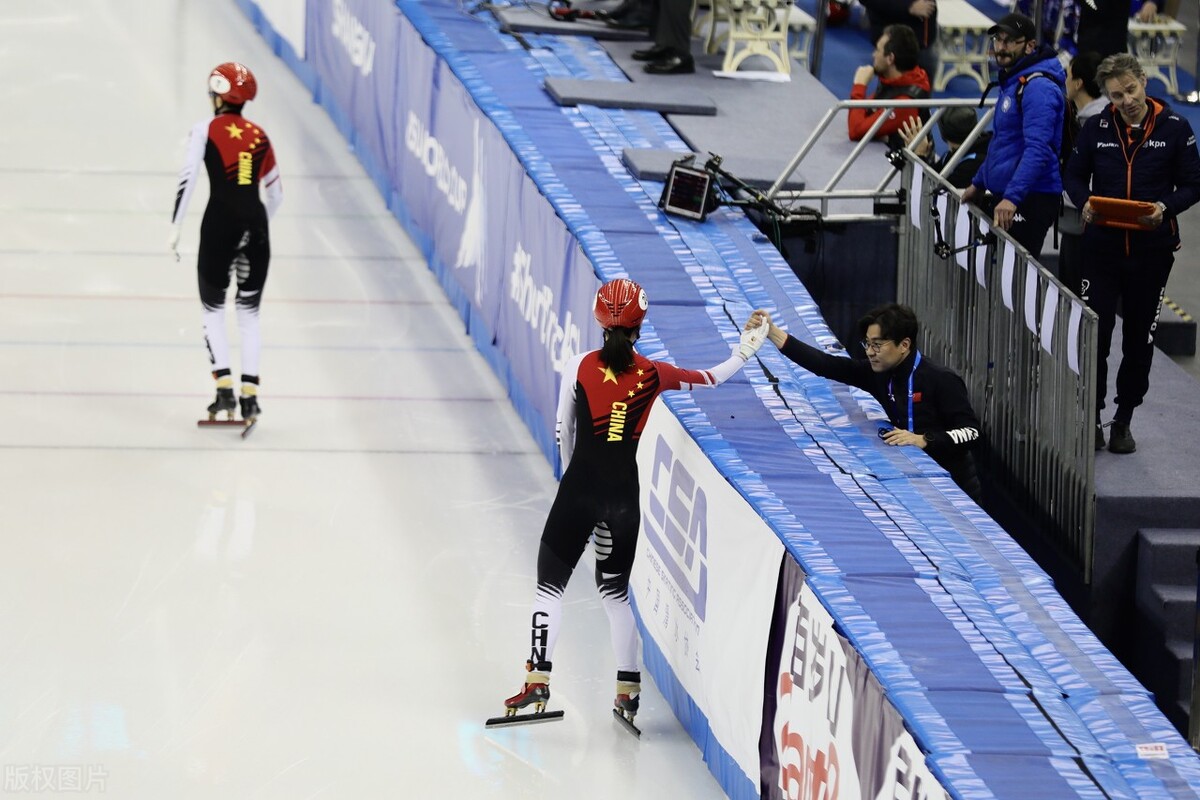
point(1038, 413)
point(880, 192)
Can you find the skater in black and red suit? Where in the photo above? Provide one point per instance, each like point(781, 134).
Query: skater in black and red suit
point(604, 401)
point(234, 236)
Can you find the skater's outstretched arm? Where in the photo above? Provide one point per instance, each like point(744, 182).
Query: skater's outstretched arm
point(753, 336)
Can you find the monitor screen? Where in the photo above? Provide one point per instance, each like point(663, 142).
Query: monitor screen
point(686, 193)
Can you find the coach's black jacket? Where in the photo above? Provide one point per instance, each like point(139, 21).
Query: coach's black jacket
point(941, 411)
point(1159, 163)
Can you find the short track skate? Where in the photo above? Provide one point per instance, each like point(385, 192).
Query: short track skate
point(536, 693)
point(225, 404)
point(625, 707)
point(513, 718)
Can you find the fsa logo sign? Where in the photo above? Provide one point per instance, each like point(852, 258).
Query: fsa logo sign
point(675, 521)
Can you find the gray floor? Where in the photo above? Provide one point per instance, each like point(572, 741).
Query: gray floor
point(328, 609)
point(1184, 286)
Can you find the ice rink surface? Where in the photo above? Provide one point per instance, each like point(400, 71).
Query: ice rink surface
point(328, 609)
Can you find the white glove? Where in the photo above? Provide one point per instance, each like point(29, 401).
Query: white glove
point(173, 241)
point(752, 340)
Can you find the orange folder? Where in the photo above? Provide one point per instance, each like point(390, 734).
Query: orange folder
point(1114, 212)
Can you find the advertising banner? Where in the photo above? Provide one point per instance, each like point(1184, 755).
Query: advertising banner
point(828, 729)
point(490, 230)
point(354, 47)
point(546, 308)
point(419, 158)
point(704, 581)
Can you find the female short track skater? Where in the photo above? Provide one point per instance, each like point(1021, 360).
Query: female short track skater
point(604, 401)
point(234, 237)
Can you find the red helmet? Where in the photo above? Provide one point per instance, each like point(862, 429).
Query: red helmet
point(233, 83)
point(620, 304)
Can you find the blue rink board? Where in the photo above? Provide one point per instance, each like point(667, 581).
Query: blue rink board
point(930, 595)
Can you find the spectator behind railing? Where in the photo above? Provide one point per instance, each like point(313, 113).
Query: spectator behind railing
point(1079, 26)
point(955, 125)
point(894, 62)
point(1104, 24)
point(919, 16)
point(1087, 101)
point(1135, 149)
point(1019, 182)
point(671, 28)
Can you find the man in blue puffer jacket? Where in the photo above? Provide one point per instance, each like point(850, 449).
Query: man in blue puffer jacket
point(1020, 179)
point(1137, 149)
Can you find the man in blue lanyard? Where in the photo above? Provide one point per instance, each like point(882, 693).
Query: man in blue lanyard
point(927, 404)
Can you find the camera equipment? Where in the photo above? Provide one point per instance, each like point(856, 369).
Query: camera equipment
point(694, 193)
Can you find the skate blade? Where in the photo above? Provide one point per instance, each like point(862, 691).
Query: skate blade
point(523, 719)
point(627, 723)
point(249, 427)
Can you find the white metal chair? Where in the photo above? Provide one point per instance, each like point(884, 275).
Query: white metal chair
point(751, 27)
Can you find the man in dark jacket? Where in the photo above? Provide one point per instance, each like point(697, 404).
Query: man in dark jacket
point(1020, 180)
point(926, 404)
point(1135, 149)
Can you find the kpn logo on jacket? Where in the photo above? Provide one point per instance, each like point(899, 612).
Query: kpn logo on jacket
point(675, 522)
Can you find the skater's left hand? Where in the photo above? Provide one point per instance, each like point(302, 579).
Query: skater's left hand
point(173, 241)
point(753, 337)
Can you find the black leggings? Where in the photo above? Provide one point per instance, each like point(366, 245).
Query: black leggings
point(1138, 282)
point(578, 507)
point(224, 237)
point(586, 508)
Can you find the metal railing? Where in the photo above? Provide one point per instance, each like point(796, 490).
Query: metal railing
point(883, 190)
point(1024, 345)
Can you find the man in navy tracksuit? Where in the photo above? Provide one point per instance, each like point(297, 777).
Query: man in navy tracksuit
point(1135, 149)
point(1021, 174)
